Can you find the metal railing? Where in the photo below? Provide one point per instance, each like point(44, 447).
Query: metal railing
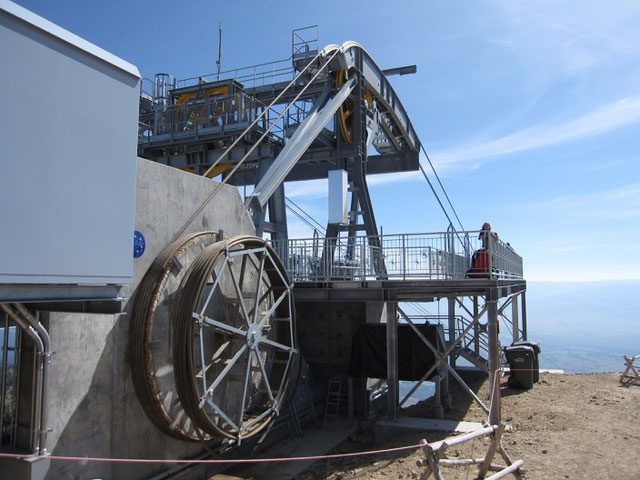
point(250, 77)
point(424, 256)
point(304, 42)
point(475, 338)
point(505, 263)
point(206, 116)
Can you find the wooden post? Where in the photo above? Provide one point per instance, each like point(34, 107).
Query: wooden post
point(630, 376)
point(432, 461)
point(491, 451)
point(434, 454)
point(510, 469)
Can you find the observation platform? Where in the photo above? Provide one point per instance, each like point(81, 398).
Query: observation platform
point(401, 267)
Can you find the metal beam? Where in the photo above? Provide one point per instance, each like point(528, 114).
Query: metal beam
point(316, 164)
point(298, 144)
point(406, 70)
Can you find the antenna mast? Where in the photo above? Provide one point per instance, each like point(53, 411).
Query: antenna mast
point(219, 61)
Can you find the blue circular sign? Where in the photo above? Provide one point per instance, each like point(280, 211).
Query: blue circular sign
point(139, 244)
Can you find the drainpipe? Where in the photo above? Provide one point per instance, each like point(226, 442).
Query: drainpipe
point(24, 325)
point(46, 360)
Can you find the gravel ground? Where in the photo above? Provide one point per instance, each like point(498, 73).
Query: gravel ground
point(567, 426)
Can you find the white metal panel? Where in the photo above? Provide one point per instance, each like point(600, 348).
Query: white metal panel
point(68, 139)
point(338, 184)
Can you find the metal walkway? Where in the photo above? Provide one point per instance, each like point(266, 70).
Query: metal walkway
point(400, 267)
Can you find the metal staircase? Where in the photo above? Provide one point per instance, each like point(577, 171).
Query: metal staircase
point(475, 358)
point(474, 346)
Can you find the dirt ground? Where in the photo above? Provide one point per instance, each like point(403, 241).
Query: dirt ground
point(567, 426)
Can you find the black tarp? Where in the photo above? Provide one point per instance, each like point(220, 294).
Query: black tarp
point(369, 351)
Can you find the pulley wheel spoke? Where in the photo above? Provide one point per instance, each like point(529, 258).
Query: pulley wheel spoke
point(235, 334)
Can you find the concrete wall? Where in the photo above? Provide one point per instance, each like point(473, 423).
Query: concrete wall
point(93, 407)
point(326, 330)
point(325, 333)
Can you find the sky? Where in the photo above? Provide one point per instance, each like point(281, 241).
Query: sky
point(529, 110)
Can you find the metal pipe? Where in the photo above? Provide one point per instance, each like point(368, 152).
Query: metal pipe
point(46, 359)
point(24, 325)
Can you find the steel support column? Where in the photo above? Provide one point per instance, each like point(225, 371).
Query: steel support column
point(515, 323)
point(494, 361)
point(392, 366)
point(277, 224)
point(476, 326)
point(524, 315)
point(452, 327)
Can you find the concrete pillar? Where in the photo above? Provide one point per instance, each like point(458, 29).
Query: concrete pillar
point(494, 362)
point(515, 323)
point(452, 327)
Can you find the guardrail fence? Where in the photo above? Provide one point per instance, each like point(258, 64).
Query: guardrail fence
point(406, 256)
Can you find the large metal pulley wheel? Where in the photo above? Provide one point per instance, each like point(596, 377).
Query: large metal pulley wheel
point(151, 337)
point(234, 338)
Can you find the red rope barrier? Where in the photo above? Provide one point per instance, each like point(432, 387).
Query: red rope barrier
point(66, 458)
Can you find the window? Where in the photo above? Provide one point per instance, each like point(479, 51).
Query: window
point(9, 367)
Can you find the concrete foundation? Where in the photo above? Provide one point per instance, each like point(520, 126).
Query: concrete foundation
point(93, 407)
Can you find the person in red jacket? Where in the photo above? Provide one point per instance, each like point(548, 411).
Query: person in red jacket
point(485, 233)
point(480, 262)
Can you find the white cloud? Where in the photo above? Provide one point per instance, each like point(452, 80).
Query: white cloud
point(611, 116)
point(308, 189)
point(552, 38)
point(311, 189)
point(615, 204)
point(385, 178)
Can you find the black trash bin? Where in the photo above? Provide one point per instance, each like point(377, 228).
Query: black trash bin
point(536, 352)
point(521, 359)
